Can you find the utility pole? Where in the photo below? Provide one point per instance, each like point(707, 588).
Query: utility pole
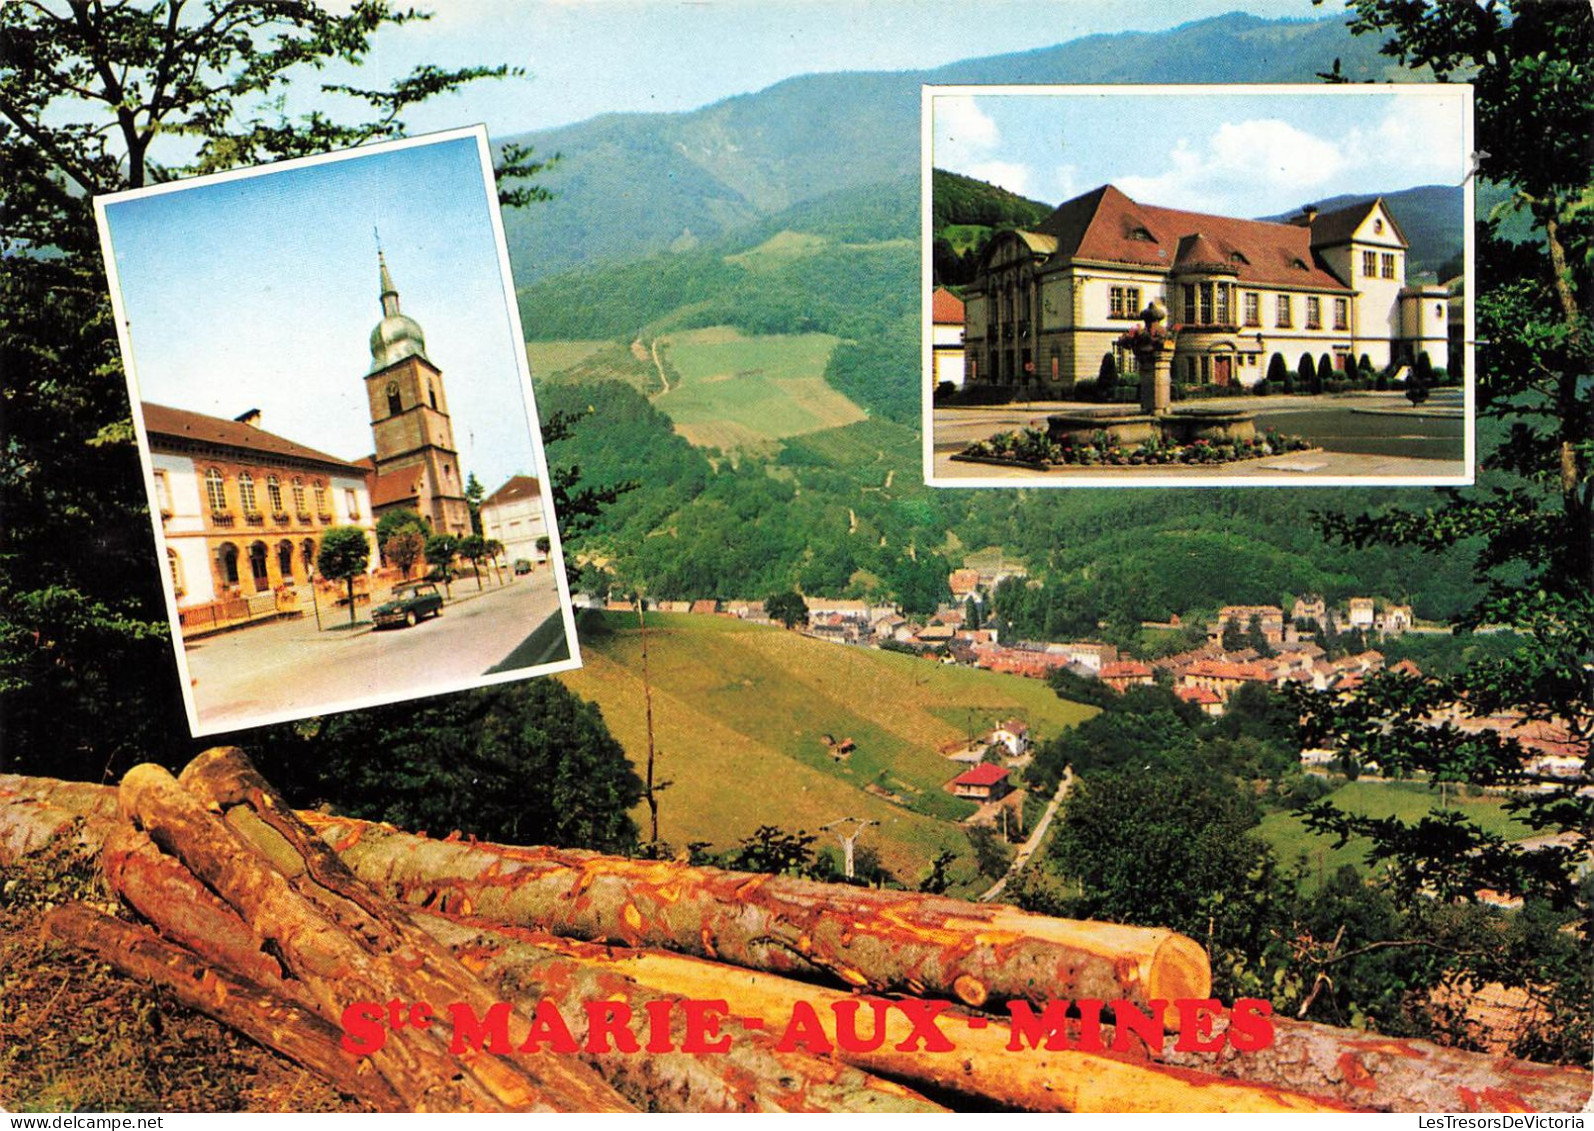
point(847, 842)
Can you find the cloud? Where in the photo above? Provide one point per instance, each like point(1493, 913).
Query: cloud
point(1007, 174)
point(963, 131)
point(1262, 165)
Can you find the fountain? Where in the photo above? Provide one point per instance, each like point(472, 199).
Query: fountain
point(1156, 418)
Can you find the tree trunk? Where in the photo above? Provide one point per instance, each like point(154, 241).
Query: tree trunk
point(281, 1025)
point(321, 949)
point(980, 1066)
point(879, 940)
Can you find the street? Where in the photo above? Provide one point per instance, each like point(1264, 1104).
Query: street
point(287, 668)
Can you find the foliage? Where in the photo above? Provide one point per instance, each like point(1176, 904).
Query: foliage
point(991, 853)
point(93, 99)
point(1033, 446)
point(398, 521)
point(1324, 374)
point(1529, 525)
point(788, 608)
point(1420, 380)
point(536, 763)
point(343, 556)
point(403, 550)
point(474, 494)
point(776, 851)
point(473, 548)
point(440, 550)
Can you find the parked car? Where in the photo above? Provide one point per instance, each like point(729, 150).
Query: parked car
point(522, 566)
point(409, 604)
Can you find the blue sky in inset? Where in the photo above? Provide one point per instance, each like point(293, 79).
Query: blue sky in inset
point(1231, 154)
point(262, 291)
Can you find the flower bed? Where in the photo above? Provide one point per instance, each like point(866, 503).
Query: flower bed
point(1033, 447)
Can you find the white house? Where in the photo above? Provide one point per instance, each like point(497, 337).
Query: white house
point(513, 515)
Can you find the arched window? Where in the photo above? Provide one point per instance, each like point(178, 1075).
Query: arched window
point(298, 499)
point(307, 555)
point(285, 561)
point(216, 490)
point(274, 494)
point(431, 392)
point(395, 403)
point(176, 568)
point(227, 556)
point(257, 566)
point(321, 505)
point(246, 493)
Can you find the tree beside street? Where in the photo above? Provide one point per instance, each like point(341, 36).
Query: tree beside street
point(343, 556)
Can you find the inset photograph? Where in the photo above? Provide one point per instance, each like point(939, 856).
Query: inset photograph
point(1163, 286)
point(346, 475)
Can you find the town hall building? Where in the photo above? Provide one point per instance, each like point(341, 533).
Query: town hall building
point(1048, 306)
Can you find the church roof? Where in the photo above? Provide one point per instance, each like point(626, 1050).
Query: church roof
point(402, 485)
point(1107, 226)
point(183, 424)
point(517, 487)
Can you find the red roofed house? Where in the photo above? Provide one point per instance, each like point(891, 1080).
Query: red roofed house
point(243, 510)
point(946, 337)
point(1121, 675)
point(513, 515)
point(1047, 306)
point(963, 582)
point(984, 782)
point(1203, 697)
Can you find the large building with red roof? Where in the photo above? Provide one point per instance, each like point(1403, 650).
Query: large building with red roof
point(243, 509)
point(1048, 306)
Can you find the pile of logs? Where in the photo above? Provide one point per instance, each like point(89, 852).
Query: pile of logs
point(279, 923)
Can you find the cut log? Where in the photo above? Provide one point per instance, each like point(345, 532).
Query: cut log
point(878, 940)
point(332, 964)
point(748, 1077)
point(1361, 1069)
point(980, 1065)
point(283, 1026)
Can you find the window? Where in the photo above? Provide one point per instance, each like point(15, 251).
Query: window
point(352, 502)
point(274, 494)
point(431, 392)
point(176, 569)
point(1225, 303)
point(216, 490)
point(1188, 312)
point(1125, 302)
point(1342, 314)
point(1387, 262)
point(228, 555)
point(1378, 227)
point(298, 498)
point(323, 505)
point(246, 493)
point(1314, 312)
point(1284, 320)
point(1206, 304)
point(1370, 263)
point(285, 562)
point(1253, 313)
point(163, 494)
point(395, 403)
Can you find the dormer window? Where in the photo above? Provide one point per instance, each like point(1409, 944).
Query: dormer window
point(1238, 257)
point(1142, 235)
point(1298, 263)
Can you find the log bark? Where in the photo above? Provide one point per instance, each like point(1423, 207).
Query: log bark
point(284, 1026)
point(882, 941)
point(754, 1080)
point(329, 960)
point(980, 1066)
point(1361, 1069)
point(750, 1075)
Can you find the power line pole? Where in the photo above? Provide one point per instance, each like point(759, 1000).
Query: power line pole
point(847, 842)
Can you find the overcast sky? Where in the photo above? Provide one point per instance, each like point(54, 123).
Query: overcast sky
point(589, 57)
point(1214, 151)
point(262, 292)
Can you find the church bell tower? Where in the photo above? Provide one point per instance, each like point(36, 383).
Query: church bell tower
point(416, 461)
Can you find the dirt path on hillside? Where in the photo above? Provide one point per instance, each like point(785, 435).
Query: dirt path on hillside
point(1028, 848)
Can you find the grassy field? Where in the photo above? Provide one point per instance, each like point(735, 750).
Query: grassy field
point(742, 392)
point(548, 358)
point(1406, 800)
point(739, 713)
point(779, 250)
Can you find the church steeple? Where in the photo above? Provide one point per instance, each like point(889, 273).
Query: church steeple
point(397, 336)
point(389, 293)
